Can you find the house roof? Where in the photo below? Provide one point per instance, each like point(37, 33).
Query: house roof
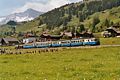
point(30, 38)
point(118, 31)
point(55, 36)
point(7, 40)
point(0, 39)
point(46, 35)
point(67, 34)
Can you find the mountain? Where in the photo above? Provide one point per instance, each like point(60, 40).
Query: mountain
point(27, 15)
point(93, 15)
point(73, 15)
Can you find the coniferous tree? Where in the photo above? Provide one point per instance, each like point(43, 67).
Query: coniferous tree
point(107, 23)
point(95, 21)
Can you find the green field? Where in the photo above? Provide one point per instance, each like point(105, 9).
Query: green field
point(110, 41)
point(68, 64)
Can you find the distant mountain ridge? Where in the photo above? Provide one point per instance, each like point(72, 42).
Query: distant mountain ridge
point(27, 15)
point(88, 15)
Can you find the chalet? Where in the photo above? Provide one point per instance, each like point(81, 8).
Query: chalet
point(78, 35)
point(116, 27)
point(0, 41)
point(56, 37)
point(68, 34)
point(118, 33)
point(87, 35)
point(27, 35)
point(48, 37)
point(45, 36)
point(29, 40)
point(111, 32)
point(84, 35)
point(9, 41)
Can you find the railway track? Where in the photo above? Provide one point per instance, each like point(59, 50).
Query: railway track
point(99, 46)
point(41, 50)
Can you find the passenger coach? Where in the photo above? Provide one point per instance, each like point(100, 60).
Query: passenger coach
point(65, 43)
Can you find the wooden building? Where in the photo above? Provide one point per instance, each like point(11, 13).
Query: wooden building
point(48, 37)
point(0, 41)
point(68, 34)
point(111, 32)
point(9, 41)
point(84, 35)
point(27, 35)
point(29, 40)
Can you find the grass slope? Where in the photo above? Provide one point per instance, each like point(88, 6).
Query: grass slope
point(110, 14)
point(110, 41)
point(69, 64)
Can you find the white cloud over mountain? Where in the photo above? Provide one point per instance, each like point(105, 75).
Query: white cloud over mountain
point(44, 7)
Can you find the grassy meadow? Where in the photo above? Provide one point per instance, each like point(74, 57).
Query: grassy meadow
point(110, 41)
point(66, 64)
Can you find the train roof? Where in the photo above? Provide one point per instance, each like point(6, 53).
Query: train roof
point(83, 38)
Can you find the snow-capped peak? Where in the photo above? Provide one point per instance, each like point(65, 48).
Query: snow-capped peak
point(27, 15)
point(21, 19)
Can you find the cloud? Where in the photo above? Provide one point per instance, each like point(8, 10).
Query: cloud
point(42, 6)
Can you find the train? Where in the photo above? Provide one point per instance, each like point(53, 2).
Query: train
point(64, 43)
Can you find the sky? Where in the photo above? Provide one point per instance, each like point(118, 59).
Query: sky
point(16, 6)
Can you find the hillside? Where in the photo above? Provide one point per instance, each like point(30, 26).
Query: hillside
point(93, 15)
point(107, 18)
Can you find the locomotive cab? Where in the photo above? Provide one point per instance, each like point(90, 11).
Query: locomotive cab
point(91, 41)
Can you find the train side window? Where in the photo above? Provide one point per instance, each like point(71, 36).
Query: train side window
point(91, 40)
point(88, 40)
point(84, 40)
